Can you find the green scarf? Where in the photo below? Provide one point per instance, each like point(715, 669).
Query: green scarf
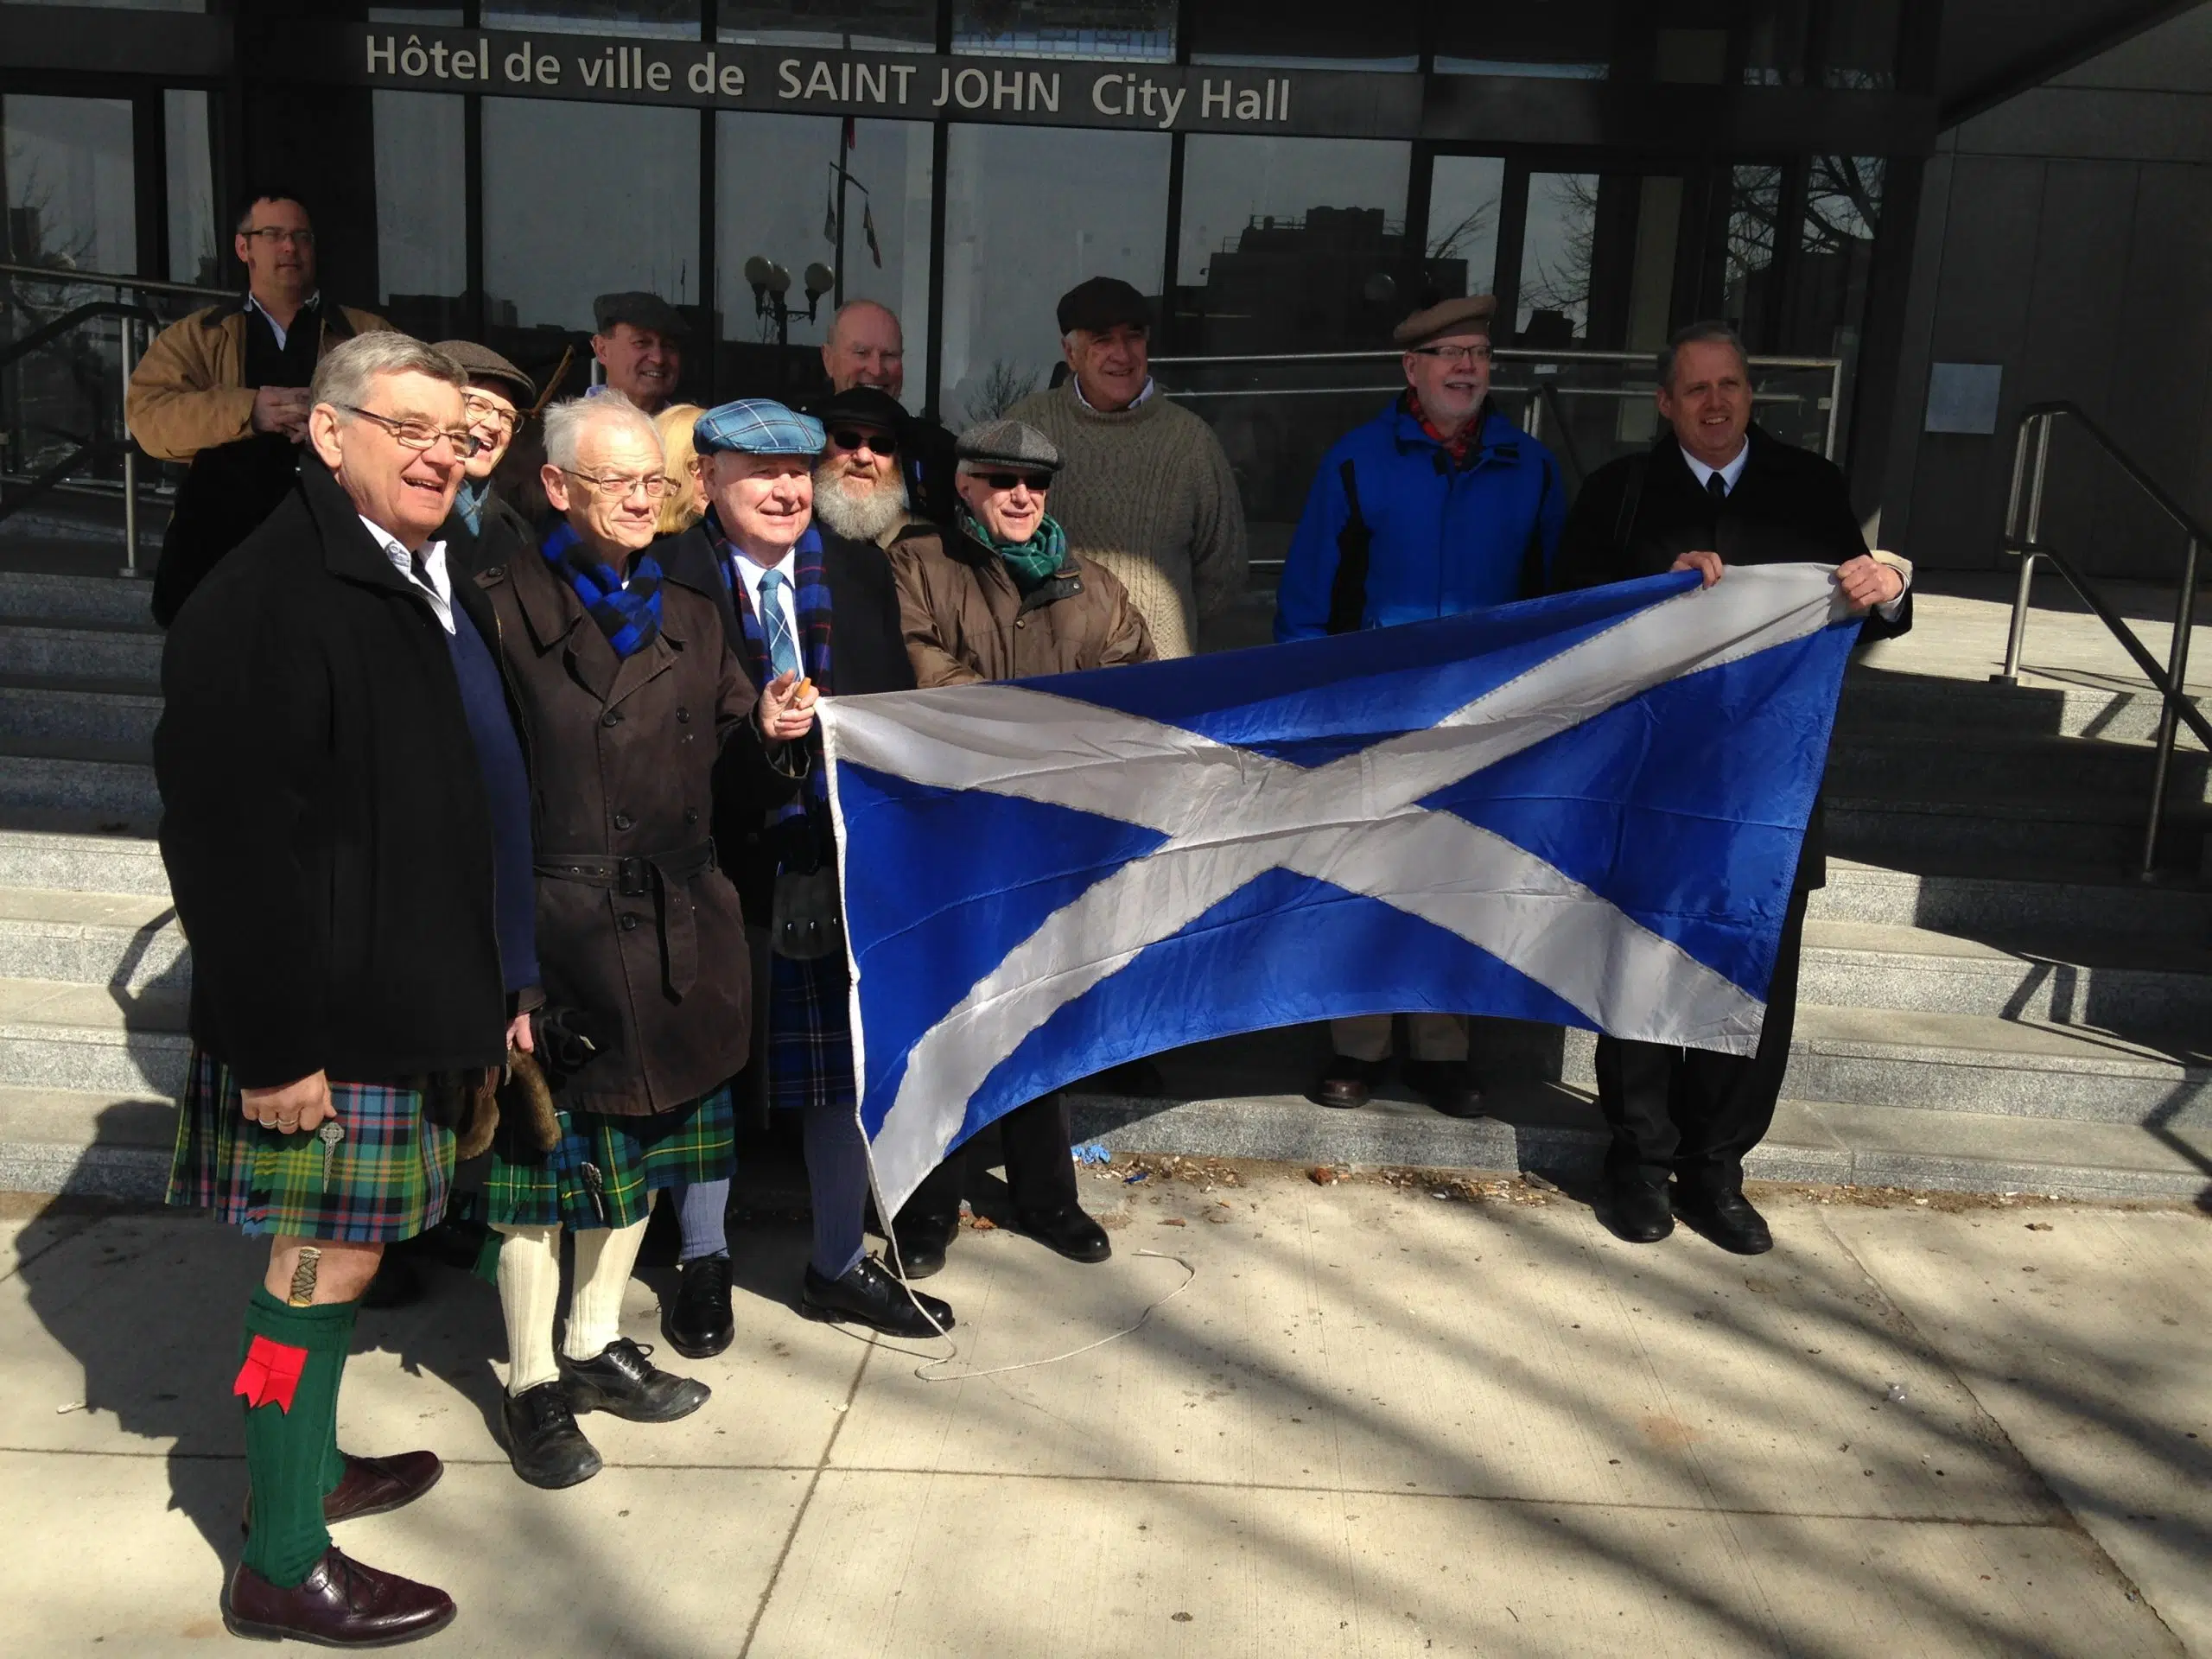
point(1031, 563)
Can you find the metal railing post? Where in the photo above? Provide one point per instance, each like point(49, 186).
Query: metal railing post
point(2169, 713)
point(2017, 637)
point(127, 353)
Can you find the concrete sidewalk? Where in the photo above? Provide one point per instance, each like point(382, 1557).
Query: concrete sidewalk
point(1379, 1421)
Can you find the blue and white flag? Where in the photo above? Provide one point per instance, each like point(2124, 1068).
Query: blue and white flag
point(1585, 809)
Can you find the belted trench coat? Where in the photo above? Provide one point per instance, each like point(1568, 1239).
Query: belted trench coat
point(639, 936)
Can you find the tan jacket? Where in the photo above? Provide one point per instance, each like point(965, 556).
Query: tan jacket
point(188, 391)
point(965, 621)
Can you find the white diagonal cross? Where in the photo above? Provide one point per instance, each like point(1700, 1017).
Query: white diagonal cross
point(1231, 814)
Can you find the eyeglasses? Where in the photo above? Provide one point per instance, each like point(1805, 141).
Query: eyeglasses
point(622, 486)
point(1462, 356)
point(421, 435)
point(270, 235)
point(1037, 483)
point(853, 441)
point(490, 414)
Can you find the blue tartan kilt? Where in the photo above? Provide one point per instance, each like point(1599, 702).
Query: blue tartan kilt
point(810, 1035)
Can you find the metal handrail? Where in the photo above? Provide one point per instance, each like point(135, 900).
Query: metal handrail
point(2031, 468)
point(110, 279)
point(128, 316)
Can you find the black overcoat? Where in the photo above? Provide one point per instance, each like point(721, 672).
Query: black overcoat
point(501, 536)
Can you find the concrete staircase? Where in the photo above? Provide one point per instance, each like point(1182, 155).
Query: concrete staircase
point(1989, 1001)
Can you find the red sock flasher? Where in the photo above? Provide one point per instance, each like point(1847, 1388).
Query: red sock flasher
point(271, 1372)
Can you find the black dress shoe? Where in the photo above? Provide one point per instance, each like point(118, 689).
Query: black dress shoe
point(1068, 1230)
point(622, 1381)
point(1346, 1083)
point(1727, 1219)
point(871, 1295)
point(699, 1324)
point(1446, 1084)
point(923, 1242)
point(543, 1442)
point(342, 1604)
point(1641, 1212)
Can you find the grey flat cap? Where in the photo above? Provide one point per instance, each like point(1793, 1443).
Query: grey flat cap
point(1009, 444)
point(482, 363)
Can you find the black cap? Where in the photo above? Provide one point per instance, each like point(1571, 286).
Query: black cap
point(1102, 302)
point(640, 310)
point(870, 405)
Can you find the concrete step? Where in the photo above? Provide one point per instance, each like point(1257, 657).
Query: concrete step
point(2112, 982)
point(85, 1143)
point(83, 600)
point(128, 940)
point(56, 1035)
point(112, 784)
point(1894, 830)
point(78, 711)
point(1968, 765)
point(2084, 705)
point(1982, 897)
point(68, 857)
point(78, 651)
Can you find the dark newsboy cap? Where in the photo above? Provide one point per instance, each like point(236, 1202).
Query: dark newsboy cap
point(1009, 444)
point(1100, 303)
point(1471, 315)
point(640, 310)
point(482, 363)
point(869, 405)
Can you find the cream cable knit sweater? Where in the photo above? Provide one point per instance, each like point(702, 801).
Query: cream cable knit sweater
point(1147, 492)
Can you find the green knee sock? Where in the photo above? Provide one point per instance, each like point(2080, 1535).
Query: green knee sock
point(290, 1456)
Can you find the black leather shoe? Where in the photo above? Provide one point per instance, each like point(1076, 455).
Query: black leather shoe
point(1068, 1230)
point(871, 1295)
point(1641, 1212)
point(1346, 1083)
point(623, 1382)
point(923, 1242)
point(1446, 1084)
point(698, 1324)
point(342, 1604)
point(1727, 1219)
point(543, 1442)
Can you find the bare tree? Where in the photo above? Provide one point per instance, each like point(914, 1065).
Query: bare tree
point(1002, 386)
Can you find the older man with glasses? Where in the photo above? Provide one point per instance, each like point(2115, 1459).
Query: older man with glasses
point(485, 528)
point(628, 691)
point(1436, 507)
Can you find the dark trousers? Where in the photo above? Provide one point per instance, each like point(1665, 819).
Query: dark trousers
point(1038, 1169)
point(1693, 1113)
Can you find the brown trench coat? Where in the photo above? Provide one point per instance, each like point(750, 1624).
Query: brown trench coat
point(637, 929)
point(965, 621)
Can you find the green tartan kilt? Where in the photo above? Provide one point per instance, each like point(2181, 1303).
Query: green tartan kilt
point(632, 1157)
point(386, 1180)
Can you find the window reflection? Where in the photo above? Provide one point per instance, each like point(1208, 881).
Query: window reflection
point(193, 248)
point(830, 24)
point(72, 198)
point(1016, 237)
point(1557, 248)
point(1567, 38)
point(1267, 32)
point(1134, 30)
point(1843, 204)
point(662, 20)
point(422, 210)
point(1754, 205)
point(1464, 195)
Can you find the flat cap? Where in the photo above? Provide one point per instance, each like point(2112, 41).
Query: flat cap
point(1471, 315)
point(640, 310)
point(482, 363)
point(756, 426)
point(1102, 302)
point(870, 405)
point(1009, 444)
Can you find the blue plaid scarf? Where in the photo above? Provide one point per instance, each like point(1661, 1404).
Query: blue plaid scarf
point(810, 602)
point(629, 616)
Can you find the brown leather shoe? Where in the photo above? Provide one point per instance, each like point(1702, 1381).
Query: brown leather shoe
point(342, 1604)
point(370, 1486)
point(1346, 1083)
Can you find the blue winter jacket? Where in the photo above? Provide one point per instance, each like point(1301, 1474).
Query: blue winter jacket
point(1445, 539)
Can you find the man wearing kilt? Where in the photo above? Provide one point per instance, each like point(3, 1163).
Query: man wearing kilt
point(627, 691)
point(345, 824)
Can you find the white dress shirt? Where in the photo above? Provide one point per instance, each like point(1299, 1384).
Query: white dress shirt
point(439, 587)
point(1135, 403)
point(750, 570)
point(1734, 470)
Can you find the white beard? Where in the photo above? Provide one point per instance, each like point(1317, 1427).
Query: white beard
point(858, 517)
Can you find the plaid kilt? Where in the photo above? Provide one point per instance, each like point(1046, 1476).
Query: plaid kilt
point(811, 1034)
point(635, 1157)
point(388, 1177)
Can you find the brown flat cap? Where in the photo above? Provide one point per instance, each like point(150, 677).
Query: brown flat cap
point(1470, 315)
point(482, 363)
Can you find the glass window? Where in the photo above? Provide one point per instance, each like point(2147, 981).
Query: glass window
point(194, 253)
point(71, 188)
point(1266, 32)
point(832, 25)
point(1289, 242)
point(776, 179)
point(1859, 45)
point(582, 199)
point(1774, 44)
point(1137, 31)
point(1556, 249)
point(1569, 39)
point(1843, 205)
point(422, 210)
point(1754, 204)
point(1016, 238)
point(127, 5)
point(1465, 193)
point(660, 20)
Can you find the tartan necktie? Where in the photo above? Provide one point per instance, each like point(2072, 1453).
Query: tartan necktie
point(783, 649)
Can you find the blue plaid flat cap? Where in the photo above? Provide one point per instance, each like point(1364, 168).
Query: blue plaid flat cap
point(757, 426)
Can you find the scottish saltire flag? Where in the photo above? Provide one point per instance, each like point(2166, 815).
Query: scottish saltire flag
point(1585, 809)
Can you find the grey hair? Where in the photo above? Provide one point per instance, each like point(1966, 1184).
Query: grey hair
point(1719, 334)
point(344, 377)
point(568, 420)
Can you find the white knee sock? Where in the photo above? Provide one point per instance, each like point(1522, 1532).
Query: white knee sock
point(530, 1295)
point(604, 1258)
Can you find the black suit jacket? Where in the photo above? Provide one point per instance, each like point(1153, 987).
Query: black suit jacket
point(502, 535)
point(868, 652)
point(1636, 516)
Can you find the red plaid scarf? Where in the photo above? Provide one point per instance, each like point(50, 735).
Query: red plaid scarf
point(1458, 447)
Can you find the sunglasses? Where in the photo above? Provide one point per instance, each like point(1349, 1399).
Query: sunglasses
point(853, 441)
point(1037, 483)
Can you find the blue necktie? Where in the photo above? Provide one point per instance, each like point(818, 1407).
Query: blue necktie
point(783, 649)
